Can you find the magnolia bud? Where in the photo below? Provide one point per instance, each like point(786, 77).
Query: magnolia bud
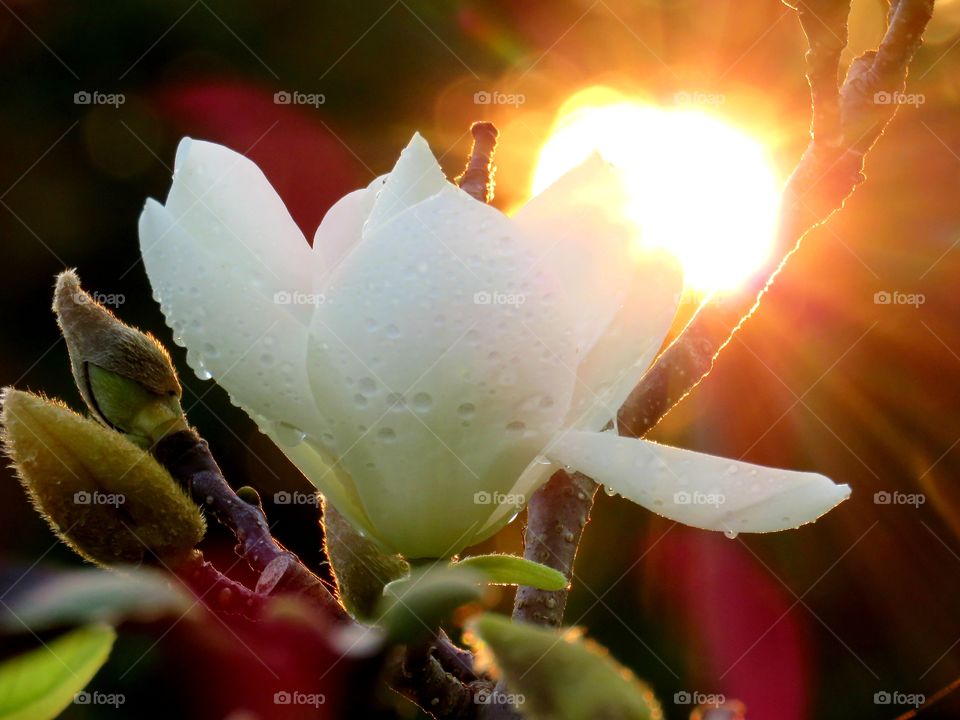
point(125, 376)
point(105, 497)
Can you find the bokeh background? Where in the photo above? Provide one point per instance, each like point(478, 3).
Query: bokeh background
point(811, 623)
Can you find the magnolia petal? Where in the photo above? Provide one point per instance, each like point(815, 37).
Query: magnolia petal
point(444, 365)
point(415, 177)
point(696, 489)
point(341, 229)
point(579, 228)
point(245, 340)
point(624, 351)
point(224, 201)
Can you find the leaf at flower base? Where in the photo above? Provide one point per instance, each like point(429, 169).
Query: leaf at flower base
point(41, 683)
point(360, 567)
point(513, 570)
point(90, 595)
point(560, 676)
point(414, 607)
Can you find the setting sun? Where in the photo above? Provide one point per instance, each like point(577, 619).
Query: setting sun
point(699, 187)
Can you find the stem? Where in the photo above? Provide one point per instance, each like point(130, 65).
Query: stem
point(187, 457)
point(477, 177)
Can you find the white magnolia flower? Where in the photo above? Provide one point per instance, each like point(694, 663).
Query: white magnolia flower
point(429, 362)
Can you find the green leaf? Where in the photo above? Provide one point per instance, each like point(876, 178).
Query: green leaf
point(41, 683)
point(560, 676)
point(92, 595)
point(513, 570)
point(414, 607)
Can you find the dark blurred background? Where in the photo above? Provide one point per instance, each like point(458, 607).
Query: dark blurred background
point(811, 623)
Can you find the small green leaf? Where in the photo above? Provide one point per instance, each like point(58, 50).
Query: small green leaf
point(560, 676)
point(414, 607)
point(360, 567)
point(41, 683)
point(91, 595)
point(513, 570)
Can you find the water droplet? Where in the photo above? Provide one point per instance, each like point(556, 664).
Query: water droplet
point(267, 360)
point(387, 434)
point(209, 351)
point(360, 400)
point(516, 426)
point(202, 372)
point(466, 411)
point(542, 460)
point(422, 401)
point(732, 534)
point(367, 386)
point(288, 434)
point(609, 491)
point(393, 332)
point(732, 469)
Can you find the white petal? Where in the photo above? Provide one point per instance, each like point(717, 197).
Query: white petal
point(225, 203)
point(622, 354)
point(415, 177)
point(436, 385)
point(580, 229)
point(341, 228)
point(254, 349)
point(696, 489)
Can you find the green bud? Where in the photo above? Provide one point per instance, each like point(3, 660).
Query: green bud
point(105, 497)
point(125, 376)
point(360, 568)
point(553, 674)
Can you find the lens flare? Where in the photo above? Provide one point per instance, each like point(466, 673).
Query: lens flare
point(699, 187)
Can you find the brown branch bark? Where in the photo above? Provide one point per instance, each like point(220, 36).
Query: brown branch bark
point(187, 457)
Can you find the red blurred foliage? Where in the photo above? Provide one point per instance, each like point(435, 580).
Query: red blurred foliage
point(305, 162)
point(745, 635)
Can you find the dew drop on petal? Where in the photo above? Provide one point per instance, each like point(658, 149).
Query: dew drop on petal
point(466, 411)
point(731, 534)
point(289, 435)
point(387, 434)
point(422, 402)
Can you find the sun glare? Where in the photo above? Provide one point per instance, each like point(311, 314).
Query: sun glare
point(698, 186)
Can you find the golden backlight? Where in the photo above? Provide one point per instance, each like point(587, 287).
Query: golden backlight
point(698, 186)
